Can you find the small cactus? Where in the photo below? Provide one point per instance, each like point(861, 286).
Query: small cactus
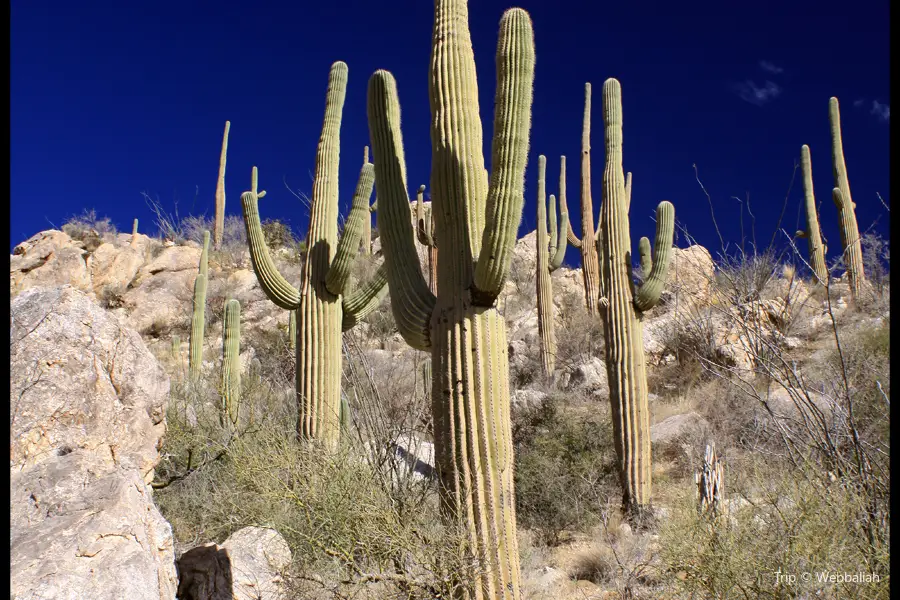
point(198, 322)
point(812, 233)
point(292, 329)
point(134, 233)
point(219, 223)
point(850, 240)
point(622, 307)
point(231, 362)
point(176, 347)
point(549, 258)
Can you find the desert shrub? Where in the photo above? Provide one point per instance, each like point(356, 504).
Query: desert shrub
point(579, 335)
point(565, 467)
point(112, 296)
point(742, 278)
point(337, 512)
point(277, 234)
point(381, 321)
point(779, 522)
point(89, 229)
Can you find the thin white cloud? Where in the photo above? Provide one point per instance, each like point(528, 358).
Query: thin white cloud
point(882, 111)
point(859, 102)
point(750, 92)
point(770, 67)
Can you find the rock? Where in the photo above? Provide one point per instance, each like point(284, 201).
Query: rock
point(80, 380)
point(114, 266)
point(164, 298)
point(49, 258)
point(247, 566)
point(527, 398)
point(82, 528)
point(86, 418)
point(691, 275)
point(677, 428)
point(591, 375)
point(417, 454)
point(783, 405)
point(172, 259)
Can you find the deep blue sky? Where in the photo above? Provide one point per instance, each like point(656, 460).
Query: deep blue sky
point(111, 99)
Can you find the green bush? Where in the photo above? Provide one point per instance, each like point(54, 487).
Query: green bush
point(565, 467)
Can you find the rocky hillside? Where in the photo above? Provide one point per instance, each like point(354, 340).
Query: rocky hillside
point(99, 331)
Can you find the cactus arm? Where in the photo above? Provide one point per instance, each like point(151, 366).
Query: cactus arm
point(231, 360)
point(556, 259)
point(412, 302)
point(366, 242)
point(628, 192)
point(644, 251)
point(276, 287)
point(655, 278)
point(563, 204)
point(512, 124)
point(358, 305)
point(339, 272)
point(554, 233)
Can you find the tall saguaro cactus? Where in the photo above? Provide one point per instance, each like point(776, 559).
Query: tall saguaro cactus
point(323, 311)
point(461, 326)
point(551, 249)
point(812, 233)
point(850, 239)
point(425, 234)
point(231, 362)
point(622, 307)
point(219, 224)
point(590, 269)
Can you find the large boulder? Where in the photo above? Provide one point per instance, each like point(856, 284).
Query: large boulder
point(78, 379)
point(48, 258)
point(87, 412)
point(113, 266)
point(82, 528)
point(247, 566)
point(691, 276)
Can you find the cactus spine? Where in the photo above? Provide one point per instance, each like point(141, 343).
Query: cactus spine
point(425, 234)
point(622, 307)
point(219, 223)
point(590, 268)
point(323, 311)
point(231, 362)
point(812, 234)
point(551, 248)
point(461, 326)
point(846, 207)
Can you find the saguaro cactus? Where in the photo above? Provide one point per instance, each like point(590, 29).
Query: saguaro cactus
point(850, 239)
point(198, 322)
point(323, 312)
point(622, 307)
point(461, 326)
point(425, 234)
point(134, 233)
point(231, 362)
point(812, 233)
point(549, 258)
point(204, 255)
point(292, 330)
point(589, 266)
point(366, 243)
point(219, 224)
